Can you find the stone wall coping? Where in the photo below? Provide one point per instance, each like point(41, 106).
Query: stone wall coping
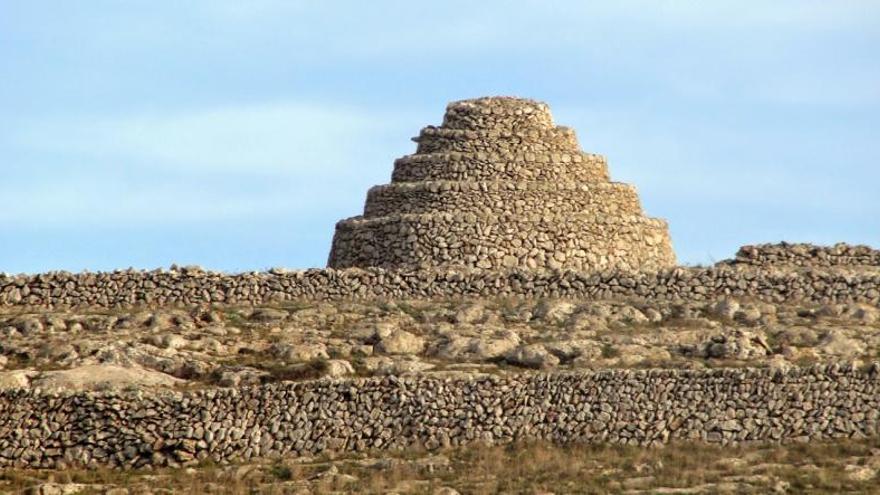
point(471, 217)
point(501, 185)
point(524, 157)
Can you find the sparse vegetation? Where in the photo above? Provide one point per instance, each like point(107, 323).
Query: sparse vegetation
point(609, 351)
point(843, 466)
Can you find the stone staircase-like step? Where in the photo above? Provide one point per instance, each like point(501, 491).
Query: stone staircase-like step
point(517, 167)
point(578, 242)
point(443, 140)
point(499, 186)
point(502, 197)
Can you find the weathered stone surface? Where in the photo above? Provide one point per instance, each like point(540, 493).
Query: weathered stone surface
point(512, 166)
point(97, 377)
point(479, 208)
point(807, 255)
point(631, 407)
point(579, 241)
point(336, 368)
point(172, 288)
point(400, 342)
point(512, 198)
point(16, 379)
point(532, 356)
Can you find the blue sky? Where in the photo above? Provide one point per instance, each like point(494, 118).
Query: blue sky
point(234, 134)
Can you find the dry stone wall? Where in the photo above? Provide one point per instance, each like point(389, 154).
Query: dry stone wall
point(808, 255)
point(498, 185)
point(646, 407)
point(193, 286)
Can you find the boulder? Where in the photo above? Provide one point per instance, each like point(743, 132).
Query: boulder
point(400, 342)
point(101, 377)
point(863, 313)
point(553, 311)
point(338, 367)
point(299, 352)
point(736, 344)
point(493, 347)
point(725, 308)
point(470, 313)
point(838, 344)
point(269, 315)
point(16, 379)
point(534, 356)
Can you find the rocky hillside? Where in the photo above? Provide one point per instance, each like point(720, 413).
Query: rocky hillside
point(231, 346)
point(305, 382)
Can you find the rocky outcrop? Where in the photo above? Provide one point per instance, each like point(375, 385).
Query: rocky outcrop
point(498, 186)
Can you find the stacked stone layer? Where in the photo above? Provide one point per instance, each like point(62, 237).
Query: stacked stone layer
point(499, 186)
point(486, 197)
point(647, 407)
point(440, 140)
point(516, 167)
point(576, 241)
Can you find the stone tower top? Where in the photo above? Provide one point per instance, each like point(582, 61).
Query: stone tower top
point(497, 112)
point(499, 186)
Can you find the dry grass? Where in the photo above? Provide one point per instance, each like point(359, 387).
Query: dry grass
point(515, 468)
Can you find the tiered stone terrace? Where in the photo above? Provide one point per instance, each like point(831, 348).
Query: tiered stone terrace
point(498, 185)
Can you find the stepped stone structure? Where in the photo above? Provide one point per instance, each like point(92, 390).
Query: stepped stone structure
point(499, 186)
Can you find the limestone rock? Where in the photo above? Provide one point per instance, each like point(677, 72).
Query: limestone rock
point(383, 365)
point(863, 313)
point(400, 342)
point(553, 311)
point(532, 356)
point(299, 352)
point(338, 367)
point(470, 313)
point(838, 344)
point(269, 315)
point(725, 308)
point(736, 344)
point(16, 379)
point(102, 377)
point(860, 473)
point(172, 341)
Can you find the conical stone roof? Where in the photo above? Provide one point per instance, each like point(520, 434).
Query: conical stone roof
point(498, 186)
